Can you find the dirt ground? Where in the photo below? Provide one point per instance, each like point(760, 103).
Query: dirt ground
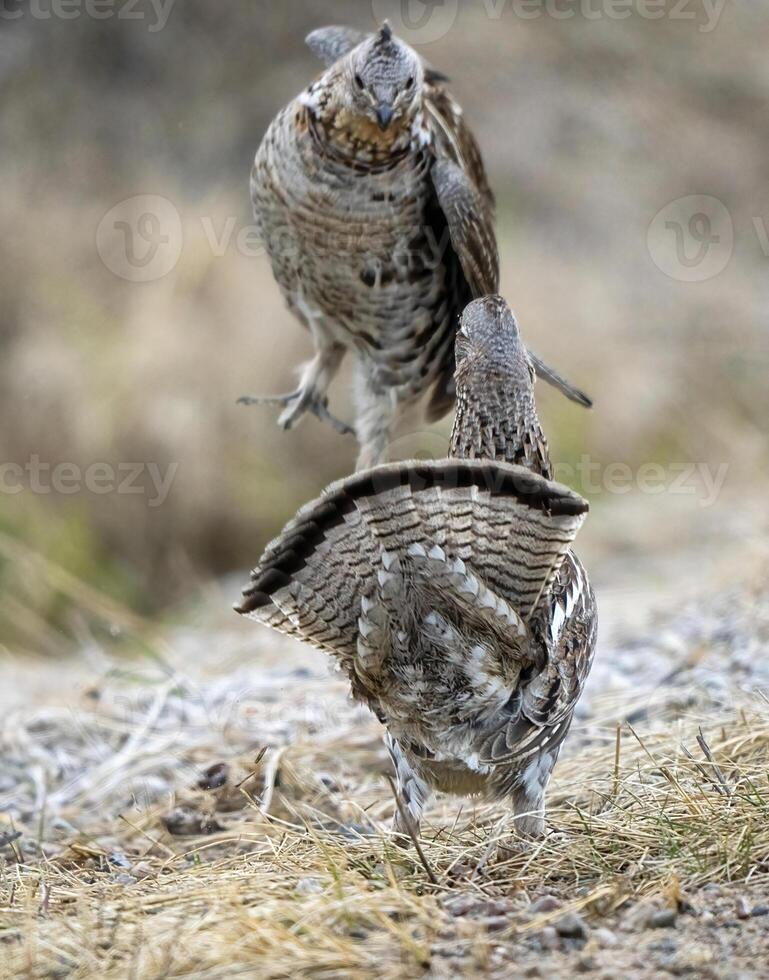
point(217, 807)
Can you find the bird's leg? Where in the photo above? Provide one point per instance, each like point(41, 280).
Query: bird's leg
point(529, 811)
point(411, 795)
point(528, 797)
point(528, 800)
point(375, 408)
point(310, 396)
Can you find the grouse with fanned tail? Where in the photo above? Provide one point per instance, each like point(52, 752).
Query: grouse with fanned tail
point(448, 592)
point(370, 195)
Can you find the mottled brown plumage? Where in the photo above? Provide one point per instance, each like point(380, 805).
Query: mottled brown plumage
point(447, 590)
point(496, 415)
point(371, 197)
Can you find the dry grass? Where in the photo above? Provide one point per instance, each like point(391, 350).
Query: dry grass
point(279, 863)
point(278, 896)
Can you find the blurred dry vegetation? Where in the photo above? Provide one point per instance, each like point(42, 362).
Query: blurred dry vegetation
point(589, 128)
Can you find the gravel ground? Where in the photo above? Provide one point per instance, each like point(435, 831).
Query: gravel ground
point(162, 744)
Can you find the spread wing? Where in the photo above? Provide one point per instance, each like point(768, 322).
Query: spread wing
point(509, 527)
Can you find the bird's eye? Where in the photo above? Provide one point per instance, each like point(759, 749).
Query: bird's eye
point(410, 83)
point(359, 82)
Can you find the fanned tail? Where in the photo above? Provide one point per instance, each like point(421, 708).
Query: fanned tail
point(510, 528)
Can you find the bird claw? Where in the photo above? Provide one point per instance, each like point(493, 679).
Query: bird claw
point(296, 404)
point(320, 409)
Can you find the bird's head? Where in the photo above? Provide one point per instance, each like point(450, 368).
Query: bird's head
point(384, 80)
point(489, 348)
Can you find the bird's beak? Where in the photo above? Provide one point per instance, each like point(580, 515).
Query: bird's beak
point(384, 114)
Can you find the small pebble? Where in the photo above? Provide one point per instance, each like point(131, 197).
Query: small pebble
point(308, 886)
point(663, 919)
point(605, 937)
point(215, 776)
point(759, 910)
point(547, 903)
point(585, 964)
point(119, 859)
point(124, 878)
point(496, 923)
point(741, 908)
point(548, 938)
point(637, 917)
point(667, 946)
point(184, 821)
point(572, 926)
point(470, 903)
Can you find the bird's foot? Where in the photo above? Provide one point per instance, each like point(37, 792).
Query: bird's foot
point(296, 404)
point(401, 833)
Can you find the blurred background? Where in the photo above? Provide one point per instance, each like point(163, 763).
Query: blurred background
point(629, 149)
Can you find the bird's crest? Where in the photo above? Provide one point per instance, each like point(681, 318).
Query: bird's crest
point(385, 34)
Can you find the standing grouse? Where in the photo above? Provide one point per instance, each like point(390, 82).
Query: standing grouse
point(448, 593)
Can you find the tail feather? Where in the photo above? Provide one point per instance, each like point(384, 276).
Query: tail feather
point(510, 526)
point(451, 583)
point(566, 388)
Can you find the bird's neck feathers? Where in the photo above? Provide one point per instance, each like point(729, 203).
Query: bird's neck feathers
point(353, 137)
point(495, 421)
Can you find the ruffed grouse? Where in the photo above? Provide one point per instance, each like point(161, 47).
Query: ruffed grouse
point(447, 590)
point(371, 198)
